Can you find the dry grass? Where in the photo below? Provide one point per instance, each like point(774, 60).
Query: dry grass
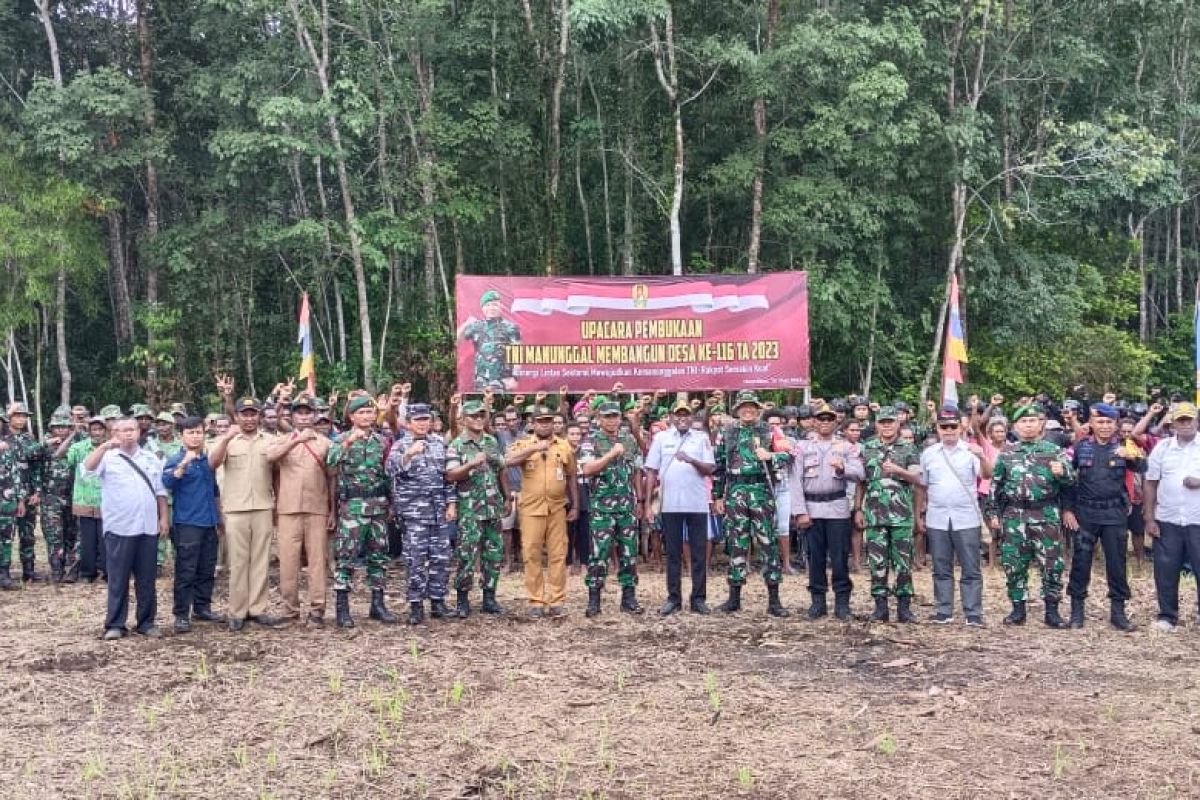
point(615, 707)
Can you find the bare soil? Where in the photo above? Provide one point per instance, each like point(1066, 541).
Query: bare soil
point(616, 707)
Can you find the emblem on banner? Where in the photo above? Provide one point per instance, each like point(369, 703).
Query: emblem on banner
point(641, 293)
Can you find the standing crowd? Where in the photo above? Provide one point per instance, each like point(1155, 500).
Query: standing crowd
point(606, 481)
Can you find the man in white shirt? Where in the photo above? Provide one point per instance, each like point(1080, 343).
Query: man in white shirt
point(1171, 509)
point(680, 460)
point(948, 511)
point(135, 515)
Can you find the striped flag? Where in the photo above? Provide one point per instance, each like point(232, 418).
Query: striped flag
point(308, 369)
point(955, 352)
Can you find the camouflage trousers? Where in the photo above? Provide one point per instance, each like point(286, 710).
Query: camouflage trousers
point(8, 527)
point(164, 542)
point(26, 537)
point(890, 547)
point(360, 529)
point(426, 554)
point(607, 526)
point(55, 515)
point(750, 517)
point(479, 543)
point(1026, 541)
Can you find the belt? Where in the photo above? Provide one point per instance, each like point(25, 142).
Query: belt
point(1033, 505)
point(824, 497)
point(370, 493)
point(1112, 502)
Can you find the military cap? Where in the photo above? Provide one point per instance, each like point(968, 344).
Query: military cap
point(681, 405)
point(947, 414)
point(165, 416)
point(304, 401)
point(858, 400)
point(900, 405)
point(97, 420)
point(541, 412)
point(1070, 404)
point(363, 401)
point(111, 412)
point(1031, 410)
point(140, 410)
point(804, 411)
point(608, 409)
point(472, 407)
point(490, 296)
point(887, 414)
point(179, 409)
point(1104, 410)
point(838, 405)
point(1183, 411)
point(824, 410)
point(746, 397)
point(320, 405)
point(60, 421)
point(529, 409)
point(17, 408)
point(247, 404)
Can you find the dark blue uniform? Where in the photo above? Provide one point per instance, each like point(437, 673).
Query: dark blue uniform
point(1100, 503)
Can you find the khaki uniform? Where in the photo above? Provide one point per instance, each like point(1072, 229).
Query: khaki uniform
point(542, 509)
point(302, 511)
point(248, 502)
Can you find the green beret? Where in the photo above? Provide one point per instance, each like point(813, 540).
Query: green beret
point(1031, 410)
point(362, 401)
point(489, 296)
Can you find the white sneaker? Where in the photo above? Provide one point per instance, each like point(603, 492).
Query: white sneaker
point(1163, 626)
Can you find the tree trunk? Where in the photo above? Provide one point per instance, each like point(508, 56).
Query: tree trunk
point(609, 251)
point(760, 167)
point(146, 54)
point(876, 291)
point(119, 280)
point(959, 202)
point(668, 77)
point(554, 128)
point(583, 201)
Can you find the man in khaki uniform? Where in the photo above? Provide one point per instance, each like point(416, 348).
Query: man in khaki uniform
point(248, 502)
point(303, 511)
point(548, 467)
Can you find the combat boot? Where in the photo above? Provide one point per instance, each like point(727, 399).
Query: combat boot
point(462, 608)
point(56, 569)
point(28, 573)
point(629, 603)
point(593, 607)
point(904, 610)
point(6, 581)
point(818, 608)
point(1017, 616)
point(344, 620)
point(416, 613)
point(490, 606)
point(774, 606)
point(1117, 616)
point(734, 603)
point(1076, 612)
point(841, 607)
point(437, 608)
point(880, 614)
point(1053, 620)
point(379, 609)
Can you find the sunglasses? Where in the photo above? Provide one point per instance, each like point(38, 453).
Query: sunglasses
point(947, 426)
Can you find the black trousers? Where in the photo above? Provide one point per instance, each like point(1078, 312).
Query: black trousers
point(1174, 545)
point(829, 538)
point(673, 524)
point(1114, 540)
point(195, 568)
point(91, 547)
point(136, 557)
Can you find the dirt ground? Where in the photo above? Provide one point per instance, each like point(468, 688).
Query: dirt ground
point(617, 707)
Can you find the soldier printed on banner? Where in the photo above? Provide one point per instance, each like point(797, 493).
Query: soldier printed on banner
point(490, 336)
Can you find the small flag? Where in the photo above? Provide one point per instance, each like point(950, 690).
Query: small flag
point(308, 369)
point(955, 354)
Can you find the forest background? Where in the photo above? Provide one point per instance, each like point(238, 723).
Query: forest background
point(174, 173)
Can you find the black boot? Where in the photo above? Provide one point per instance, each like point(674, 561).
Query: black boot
point(56, 569)
point(1076, 612)
point(1017, 617)
point(1053, 620)
point(344, 620)
point(379, 609)
point(6, 581)
point(629, 603)
point(841, 607)
point(593, 608)
point(774, 606)
point(437, 608)
point(490, 606)
point(904, 610)
point(734, 603)
point(462, 609)
point(28, 574)
point(1117, 616)
point(818, 608)
point(880, 614)
point(416, 613)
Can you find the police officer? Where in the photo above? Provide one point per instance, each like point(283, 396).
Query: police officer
point(425, 501)
point(1096, 507)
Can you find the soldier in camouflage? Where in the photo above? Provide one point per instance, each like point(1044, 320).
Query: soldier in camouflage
point(357, 461)
point(742, 493)
point(475, 462)
point(30, 454)
point(12, 507)
point(164, 444)
point(425, 501)
point(613, 460)
point(55, 480)
point(490, 335)
point(883, 507)
point(1028, 478)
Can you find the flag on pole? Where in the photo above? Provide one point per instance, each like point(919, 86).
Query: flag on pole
point(308, 369)
point(955, 353)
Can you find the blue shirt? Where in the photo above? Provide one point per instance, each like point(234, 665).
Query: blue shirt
point(195, 493)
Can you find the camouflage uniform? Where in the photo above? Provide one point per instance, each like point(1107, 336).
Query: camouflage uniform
point(29, 454)
point(1025, 493)
point(611, 507)
point(164, 450)
point(362, 508)
point(489, 336)
point(742, 482)
point(420, 494)
point(888, 514)
point(55, 484)
point(480, 507)
point(12, 492)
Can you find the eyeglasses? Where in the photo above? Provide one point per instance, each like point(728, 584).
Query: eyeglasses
point(948, 426)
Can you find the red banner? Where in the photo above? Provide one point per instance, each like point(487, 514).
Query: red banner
point(690, 333)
